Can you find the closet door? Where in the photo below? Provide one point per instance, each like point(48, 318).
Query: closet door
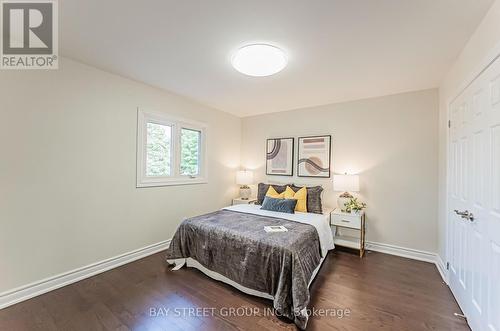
point(474, 200)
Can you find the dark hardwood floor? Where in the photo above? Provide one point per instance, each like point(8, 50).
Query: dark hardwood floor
point(381, 292)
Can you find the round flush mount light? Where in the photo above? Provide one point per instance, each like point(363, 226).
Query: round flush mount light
point(259, 60)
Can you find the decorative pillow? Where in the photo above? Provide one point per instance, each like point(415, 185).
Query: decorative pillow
point(300, 196)
point(279, 205)
point(262, 190)
point(271, 192)
point(314, 204)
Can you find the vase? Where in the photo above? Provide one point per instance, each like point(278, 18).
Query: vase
point(343, 199)
point(245, 192)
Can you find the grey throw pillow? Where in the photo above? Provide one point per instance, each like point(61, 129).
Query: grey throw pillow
point(313, 202)
point(262, 190)
point(279, 205)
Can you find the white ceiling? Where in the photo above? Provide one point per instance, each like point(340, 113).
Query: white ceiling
point(339, 50)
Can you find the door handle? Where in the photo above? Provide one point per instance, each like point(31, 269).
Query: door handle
point(465, 214)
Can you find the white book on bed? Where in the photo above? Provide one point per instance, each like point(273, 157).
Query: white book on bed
point(275, 228)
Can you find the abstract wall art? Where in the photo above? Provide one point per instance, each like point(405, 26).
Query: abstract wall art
point(314, 156)
point(279, 156)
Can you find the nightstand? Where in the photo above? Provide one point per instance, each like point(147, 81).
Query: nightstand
point(350, 221)
point(240, 201)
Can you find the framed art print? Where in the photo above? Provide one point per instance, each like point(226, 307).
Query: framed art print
point(314, 156)
point(279, 156)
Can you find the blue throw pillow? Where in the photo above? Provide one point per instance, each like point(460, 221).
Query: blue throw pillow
point(279, 205)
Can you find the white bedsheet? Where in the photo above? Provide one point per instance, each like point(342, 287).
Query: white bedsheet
point(320, 221)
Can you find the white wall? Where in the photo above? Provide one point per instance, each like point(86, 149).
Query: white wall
point(67, 173)
point(481, 47)
point(391, 141)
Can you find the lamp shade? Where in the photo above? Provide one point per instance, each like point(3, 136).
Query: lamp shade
point(346, 183)
point(244, 177)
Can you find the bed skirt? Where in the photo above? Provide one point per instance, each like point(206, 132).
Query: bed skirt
point(192, 263)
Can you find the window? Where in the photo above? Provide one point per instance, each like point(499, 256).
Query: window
point(190, 152)
point(170, 151)
point(158, 150)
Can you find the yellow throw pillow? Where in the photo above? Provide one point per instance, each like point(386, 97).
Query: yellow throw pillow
point(300, 196)
point(271, 192)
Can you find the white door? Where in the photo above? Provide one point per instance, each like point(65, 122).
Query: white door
point(474, 200)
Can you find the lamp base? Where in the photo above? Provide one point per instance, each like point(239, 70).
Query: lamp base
point(343, 199)
point(245, 192)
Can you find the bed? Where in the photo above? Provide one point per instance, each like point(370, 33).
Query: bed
point(231, 245)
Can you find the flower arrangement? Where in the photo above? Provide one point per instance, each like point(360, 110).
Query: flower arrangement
point(354, 206)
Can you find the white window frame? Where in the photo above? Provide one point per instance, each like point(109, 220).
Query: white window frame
point(143, 118)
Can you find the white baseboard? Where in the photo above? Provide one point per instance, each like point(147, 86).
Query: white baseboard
point(401, 251)
point(410, 253)
point(49, 284)
point(440, 265)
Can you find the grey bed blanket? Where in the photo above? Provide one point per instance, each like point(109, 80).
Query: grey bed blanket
point(235, 245)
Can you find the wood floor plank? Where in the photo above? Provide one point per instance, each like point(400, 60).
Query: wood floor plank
point(381, 292)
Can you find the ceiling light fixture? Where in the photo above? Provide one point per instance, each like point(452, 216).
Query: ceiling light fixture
point(259, 60)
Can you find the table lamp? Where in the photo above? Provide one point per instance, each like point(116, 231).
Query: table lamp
point(346, 183)
point(244, 178)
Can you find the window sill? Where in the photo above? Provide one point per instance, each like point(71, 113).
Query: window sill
point(172, 182)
